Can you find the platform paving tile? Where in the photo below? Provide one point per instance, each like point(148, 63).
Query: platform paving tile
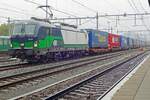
point(144, 90)
point(126, 92)
point(138, 86)
point(123, 98)
point(142, 97)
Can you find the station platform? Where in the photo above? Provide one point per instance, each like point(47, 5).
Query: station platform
point(138, 85)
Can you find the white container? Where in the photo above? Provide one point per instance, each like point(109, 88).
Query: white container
point(74, 38)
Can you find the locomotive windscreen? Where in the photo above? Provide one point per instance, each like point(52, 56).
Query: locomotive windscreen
point(20, 29)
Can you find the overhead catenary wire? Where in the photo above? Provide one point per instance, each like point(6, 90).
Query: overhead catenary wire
point(135, 7)
point(83, 5)
point(132, 6)
point(18, 9)
point(11, 10)
point(4, 17)
point(145, 25)
point(88, 21)
point(14, 11)
point(142, 6)
point(90, 9)
point(66, 13)
point(143, 20)
point(112, 6)
point(141, 15)
point(14, 7)
point(62, 11)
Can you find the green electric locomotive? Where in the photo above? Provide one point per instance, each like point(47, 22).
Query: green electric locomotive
point(41, 41)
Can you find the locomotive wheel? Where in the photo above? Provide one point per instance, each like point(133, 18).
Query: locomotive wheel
point(44, 59)
point(32, 61)
point(58, 56)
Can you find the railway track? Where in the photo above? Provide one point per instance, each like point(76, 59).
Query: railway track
point(3, 53)
point(7, 59)
point(98, 85)
point(8, 81)
point(19, 89)
point(26, 65)
point(13, 66)
point(3, 59)
point(13, 81)
point(19, 65)
point(51, 89)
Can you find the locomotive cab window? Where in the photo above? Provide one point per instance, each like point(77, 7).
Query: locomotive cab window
point(43, 32)
point(20, 29)
point(17, 29)
point(55, 32)
point(30, 29)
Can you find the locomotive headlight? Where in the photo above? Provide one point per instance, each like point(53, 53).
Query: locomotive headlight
point(11, 45)
point(35, 44)
point(22, 44)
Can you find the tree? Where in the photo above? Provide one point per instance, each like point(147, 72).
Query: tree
point(4, 29)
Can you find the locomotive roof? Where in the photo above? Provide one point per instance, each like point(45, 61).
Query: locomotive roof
point(39, 23)
point(46, 24)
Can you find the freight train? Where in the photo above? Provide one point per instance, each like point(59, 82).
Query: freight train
point(41, 41)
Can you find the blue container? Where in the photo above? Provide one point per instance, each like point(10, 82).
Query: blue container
point(135, 42)
point(142, 43)
point(124, 42)
point(131, 43)
point(97, 39)
point(139, 43)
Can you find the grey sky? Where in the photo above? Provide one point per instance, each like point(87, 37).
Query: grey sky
point(20, 9)
point(102, 6)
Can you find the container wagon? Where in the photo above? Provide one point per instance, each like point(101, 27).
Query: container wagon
point(124, 42)
point(135, 43)
point(98, 41)
point(131, 43)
